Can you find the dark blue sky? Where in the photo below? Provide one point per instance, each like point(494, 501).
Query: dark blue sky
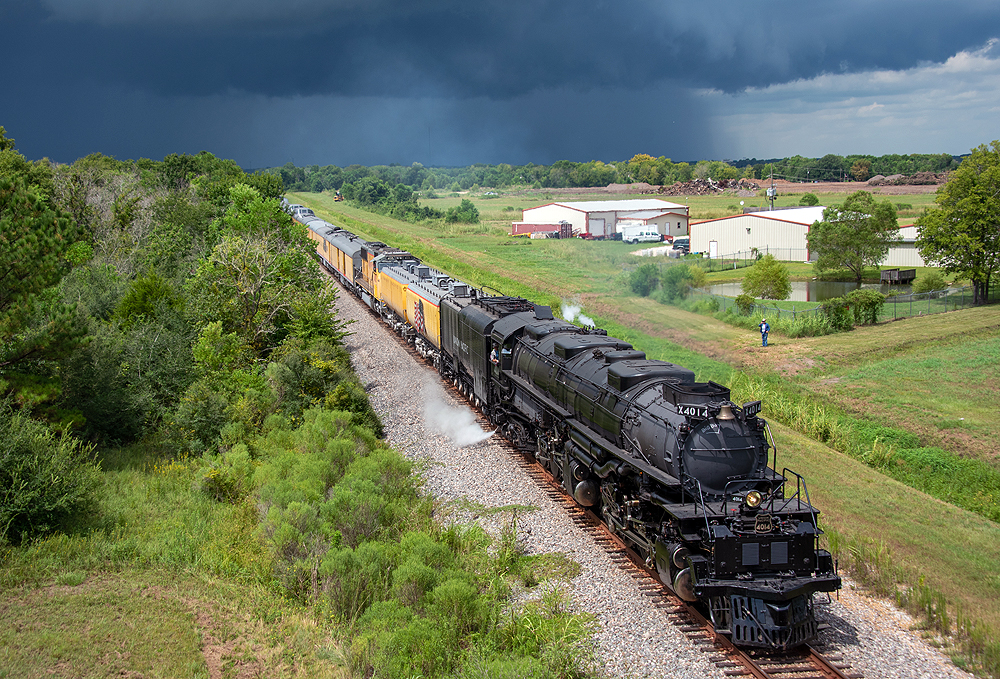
point(451, 83)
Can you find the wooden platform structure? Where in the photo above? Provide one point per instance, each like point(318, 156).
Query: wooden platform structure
point(892, 276)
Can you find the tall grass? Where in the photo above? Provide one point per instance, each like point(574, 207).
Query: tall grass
point(804, 325)
point(967, 483)
point(972, 645)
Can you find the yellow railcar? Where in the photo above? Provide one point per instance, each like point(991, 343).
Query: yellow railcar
point(423, 311)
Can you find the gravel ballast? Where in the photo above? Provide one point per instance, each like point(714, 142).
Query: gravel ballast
point(635, 639)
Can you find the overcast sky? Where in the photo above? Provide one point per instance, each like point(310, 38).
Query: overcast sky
point(442, 82)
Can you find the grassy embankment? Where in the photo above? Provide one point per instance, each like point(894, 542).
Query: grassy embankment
point(348, 574)
point(933, 543)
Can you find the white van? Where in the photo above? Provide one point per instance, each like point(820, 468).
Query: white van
point(640, 234)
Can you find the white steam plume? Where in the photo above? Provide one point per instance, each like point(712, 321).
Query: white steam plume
point(458, 424)
point(571, 312)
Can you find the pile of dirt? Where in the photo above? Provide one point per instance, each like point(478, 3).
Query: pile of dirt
point(638, 187)
point(917, 179)
point(708, 187)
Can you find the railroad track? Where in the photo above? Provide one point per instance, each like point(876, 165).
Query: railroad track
point(807, 662)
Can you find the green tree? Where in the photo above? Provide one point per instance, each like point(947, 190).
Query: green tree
point(34, 239)
point(861, 170)
point(854, 235)
point(767, 279)
point(36, 175)
point(466, 212)
point(809, 199)
point(962, 234)
point(254, 278)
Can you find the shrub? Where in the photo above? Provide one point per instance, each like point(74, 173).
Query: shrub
point(45, 480)
point(838, 313)
point(457, 602)
point(745, 304)
point(678, 279)
point(867, 305)
point(809, 199)
point(466, 213)
point(644, 280)
point(228, 477)
point(929, 282)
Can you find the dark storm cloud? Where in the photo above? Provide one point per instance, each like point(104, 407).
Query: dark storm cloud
point(467, 49)
point(434, 81)
point(257, 131)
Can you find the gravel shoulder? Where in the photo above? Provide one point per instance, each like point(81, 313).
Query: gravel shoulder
point(635, 639)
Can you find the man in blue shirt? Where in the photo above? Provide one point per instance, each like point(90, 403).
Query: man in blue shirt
point(764, 328)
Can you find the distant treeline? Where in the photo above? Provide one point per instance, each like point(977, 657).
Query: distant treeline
point(640, 168)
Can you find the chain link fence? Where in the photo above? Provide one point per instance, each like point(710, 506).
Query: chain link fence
point(924, 303)
point(804, 310)
point(896, 306)
point(736, 260)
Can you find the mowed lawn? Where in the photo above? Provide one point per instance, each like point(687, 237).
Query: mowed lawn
point(936, 376)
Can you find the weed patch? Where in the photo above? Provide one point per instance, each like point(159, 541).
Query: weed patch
point(972, 645)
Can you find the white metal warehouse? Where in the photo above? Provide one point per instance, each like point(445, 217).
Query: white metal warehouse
point(600, 218)
point(783, 234)
point(780, 232)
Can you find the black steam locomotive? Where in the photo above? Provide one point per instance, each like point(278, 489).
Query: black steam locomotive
point(674, 467)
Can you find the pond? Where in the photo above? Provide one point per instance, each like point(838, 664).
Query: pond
point(814, 291)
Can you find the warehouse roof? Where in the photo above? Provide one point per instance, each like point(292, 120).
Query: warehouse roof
point(801, 215)
point(618, 205)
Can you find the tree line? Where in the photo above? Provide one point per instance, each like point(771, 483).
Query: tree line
point(640, 168)
point(150, 299)
point(859, 167)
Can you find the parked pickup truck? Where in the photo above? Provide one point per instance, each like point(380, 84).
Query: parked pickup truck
point(640, 234)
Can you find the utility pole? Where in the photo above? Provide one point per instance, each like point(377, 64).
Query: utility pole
point(770, 190)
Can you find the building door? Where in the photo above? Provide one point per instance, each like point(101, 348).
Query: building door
point(713, 249)
point(596, 228)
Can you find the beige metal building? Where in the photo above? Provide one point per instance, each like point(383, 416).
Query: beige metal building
point(600, 218)
point(783, 234)
point(905, 253)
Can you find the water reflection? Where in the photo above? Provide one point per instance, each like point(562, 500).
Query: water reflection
point(814, 291)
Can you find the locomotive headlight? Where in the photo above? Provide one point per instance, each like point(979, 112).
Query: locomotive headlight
point(753, 499)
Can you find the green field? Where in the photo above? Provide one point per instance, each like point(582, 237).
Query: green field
point(921, 375)
point(502, 209)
